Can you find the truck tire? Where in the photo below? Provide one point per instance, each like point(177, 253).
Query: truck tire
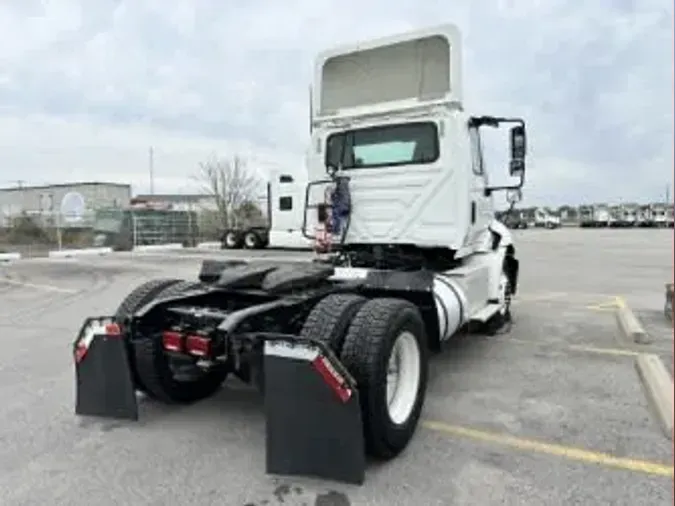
point(329, 320)
point(138, 298)
point(252, 240)
point(386, 334)
point(154, 368)
point(231, 240)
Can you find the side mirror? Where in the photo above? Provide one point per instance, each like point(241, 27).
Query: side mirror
point(518, 143)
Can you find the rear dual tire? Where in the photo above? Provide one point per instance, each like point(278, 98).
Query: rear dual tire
point(232, 240)
point(383, 344)
point(252, 240)
point(151, 368)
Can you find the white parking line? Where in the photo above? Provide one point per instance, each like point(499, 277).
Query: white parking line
point(48, 288)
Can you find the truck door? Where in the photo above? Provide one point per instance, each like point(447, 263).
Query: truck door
point(481, 206)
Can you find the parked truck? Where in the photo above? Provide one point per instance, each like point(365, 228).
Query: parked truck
point(627, 215)
point(340, 348)
point(285, 207)
point(514, 219)
point(659, 211)
point(545, 218)
point(645, 216)
point(586, 216)
point(601, 216)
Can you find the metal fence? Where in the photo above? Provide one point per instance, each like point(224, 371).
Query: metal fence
point(126, 228)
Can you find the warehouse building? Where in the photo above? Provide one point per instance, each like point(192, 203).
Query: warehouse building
point(64, 204)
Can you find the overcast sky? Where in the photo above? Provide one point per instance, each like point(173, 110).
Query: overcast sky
point(86, 86)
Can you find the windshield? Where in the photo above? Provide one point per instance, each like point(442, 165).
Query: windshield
point(405, 144)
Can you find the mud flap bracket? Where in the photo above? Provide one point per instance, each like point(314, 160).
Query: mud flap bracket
point(313, 415)
point(104, 384)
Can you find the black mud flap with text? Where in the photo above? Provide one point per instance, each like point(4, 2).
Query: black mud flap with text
point(104, 384)
point(312, 411)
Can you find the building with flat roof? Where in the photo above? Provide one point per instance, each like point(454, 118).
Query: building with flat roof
point(67, 203)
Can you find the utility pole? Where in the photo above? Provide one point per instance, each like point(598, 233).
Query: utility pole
point(19, 186)
point(151, 168)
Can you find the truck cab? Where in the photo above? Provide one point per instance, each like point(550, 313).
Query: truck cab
point(388, 116)
point(286, 198)
point(545, 218)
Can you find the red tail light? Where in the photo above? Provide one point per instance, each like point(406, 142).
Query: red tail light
point(172, 340)
point(199, 346)
point(333, 378)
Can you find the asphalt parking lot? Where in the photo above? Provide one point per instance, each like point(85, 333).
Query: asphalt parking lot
point(551, 412)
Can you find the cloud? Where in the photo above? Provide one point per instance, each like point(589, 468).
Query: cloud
point(86, 87)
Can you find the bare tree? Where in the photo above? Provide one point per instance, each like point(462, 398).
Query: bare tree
point(231, 184)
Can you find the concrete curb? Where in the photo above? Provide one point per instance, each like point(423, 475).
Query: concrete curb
point(6, 257)
point(157, 247)
point(658, 385)
point(69, 253)
point(629, 324)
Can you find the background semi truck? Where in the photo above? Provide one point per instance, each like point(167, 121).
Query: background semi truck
point(285, 201)
point(545, 218)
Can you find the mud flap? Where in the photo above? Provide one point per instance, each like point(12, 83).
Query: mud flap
point(312, 411)
point(104, 385)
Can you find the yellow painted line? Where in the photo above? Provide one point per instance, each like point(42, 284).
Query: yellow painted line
point(604, 351)
point(566, 452)
point(48, 288)
point(620, 302)
point(560, 345)
point(616, 302)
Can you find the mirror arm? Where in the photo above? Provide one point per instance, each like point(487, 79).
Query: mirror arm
point(489, 189)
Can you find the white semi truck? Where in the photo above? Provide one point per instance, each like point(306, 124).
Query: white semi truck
point(628, 215)
point(545, 218)
point(659, 211)
point(340, 348)
point(585, 216)
point(285, 211)
point(596, 215)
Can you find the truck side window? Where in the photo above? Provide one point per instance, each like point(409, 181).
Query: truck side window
point(285, 203)
point(285, 178)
